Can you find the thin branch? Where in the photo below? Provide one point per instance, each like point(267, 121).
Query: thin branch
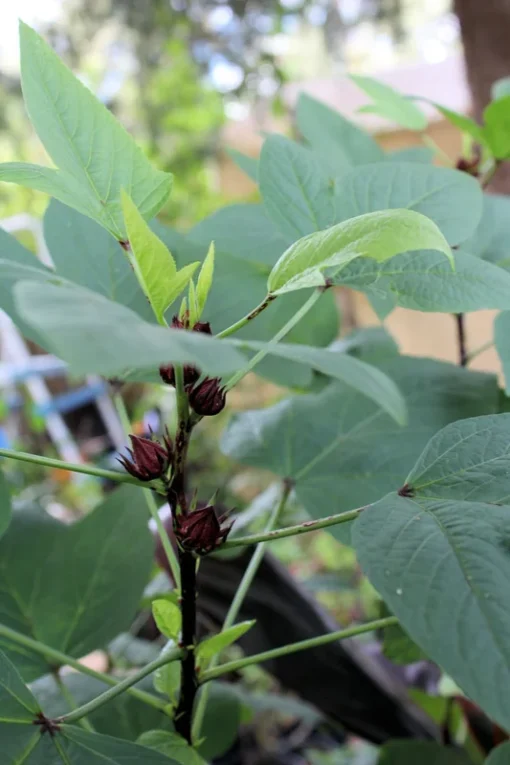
point(249, 317)
point(292, 531)
point(63, 660)
point(461, 339)
point(71, 702)
point(111, 475)
point(303, 645)
point(481, 349)
point(121, 687)
point(189, 681)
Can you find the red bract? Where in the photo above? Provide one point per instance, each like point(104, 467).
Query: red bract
point(148, 458)
point(201, 531)
point(208, 397)
point(191, 373)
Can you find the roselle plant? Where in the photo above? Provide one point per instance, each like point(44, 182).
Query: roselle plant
point(404, 458)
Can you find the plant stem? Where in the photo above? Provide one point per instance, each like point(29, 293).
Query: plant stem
point(177, 493)
point(461, 339)
point(314, 297)
point(249, 317)
point(63, 660)
point(111, 475)
point(121, 687)
point(68, 696)
point(189, 681)
point(286, 650)
point(292, 531)
point(237, 602)
point(149, 499)
point(479, 350)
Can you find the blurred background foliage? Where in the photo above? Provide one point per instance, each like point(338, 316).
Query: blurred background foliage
point(175, 71)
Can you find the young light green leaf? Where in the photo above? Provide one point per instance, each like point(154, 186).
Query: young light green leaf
point(94, 154)
point(390, 104)
point(192, 304)
point(380, 236)
point(167, 679)
point(450, 526)
point(462, 122)
point(167, 616)
point(213, 645)
point(152, 262)
point(497, 127)
point(205, 279)
point(500, 88)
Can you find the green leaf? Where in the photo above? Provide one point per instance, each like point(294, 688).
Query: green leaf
point(243, 230)
point(379, 236)
point(463, 123)
point(299, 195)
point(79, 747)
point(205, 280)
point(5, 505)
point(211, 646)
point(421, 154)
point(152, 262)
point(334, 138)
point(446, 547)
point(424, 281)
point(390, 104)
point(83, 252)
point(355, 373)
point(421, 753)
point(502, 341)
point(167, 616)
point(343, 451)
point(453, 200)
point(399, 648)
point(17, 704)
point(73, 587)
point(497, 127)
point(94, 334)
point(249, 165)
point(167, 679)
point(221, 722)
point(93, 152)
point(500, 756)
point(171, 745)
point(500, 88)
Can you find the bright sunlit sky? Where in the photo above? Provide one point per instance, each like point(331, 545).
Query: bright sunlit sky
point(30, 11)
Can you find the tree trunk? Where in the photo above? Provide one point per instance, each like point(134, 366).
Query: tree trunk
point(485, 28)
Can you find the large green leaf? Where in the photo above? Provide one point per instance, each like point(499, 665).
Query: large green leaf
point(5, 505)
point(355, 373)
point(83, 252)
point(440, 558)
point(378, 236)
point(172, 745)
point(299, 195)
point(500, 756)
point(94, 334)
point(390, 104)
point(453, 200)
point(249, 165)
point(424, 281)
point(17, 704)
point(421, 753)
point(342, 451)
point(74, 746)
point(497, 127)
point(221, 722)
point(491, 237)
point(421, 154)
point(73, 587)
point(152, 262)
point(334, 138)
point(93, 152)
point(243, 230)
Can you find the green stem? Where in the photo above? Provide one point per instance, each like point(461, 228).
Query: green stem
point(121, 687)
point(112, 475)
point(314, 297)
point(68, 696)
point(292, 531)
point(479, 350)
point(237, 602)
point(249, 317)
point(303, 645)
point(150, 501)
point(63, 660)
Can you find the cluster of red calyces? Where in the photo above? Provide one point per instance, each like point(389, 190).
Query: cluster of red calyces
point(148, 458)
point(201, 531)
point(207, 397)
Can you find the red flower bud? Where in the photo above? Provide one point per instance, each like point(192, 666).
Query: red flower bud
point(208, 397)
point(200, 531)
point(202, 326)
point(191, 373)
point(148, 458)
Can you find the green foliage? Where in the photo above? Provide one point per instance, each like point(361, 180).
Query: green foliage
point(213, 645)
point(73, 587)
point(5, 505)
point(420, 753)
point(390, 104)
point(171, 745)
point(167, 616)
point(499, 756)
